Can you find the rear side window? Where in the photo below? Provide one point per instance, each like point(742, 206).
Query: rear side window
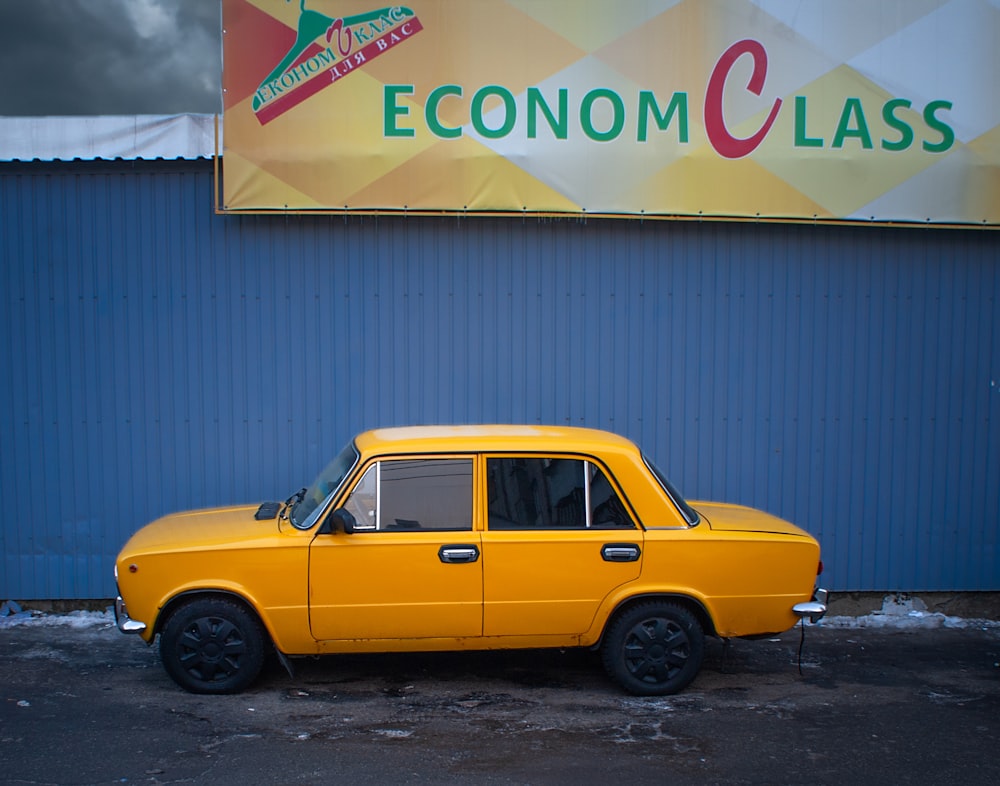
point(543, 493)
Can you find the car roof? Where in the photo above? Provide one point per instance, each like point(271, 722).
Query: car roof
point(492, 437)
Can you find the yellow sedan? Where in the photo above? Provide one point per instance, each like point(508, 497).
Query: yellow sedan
point(467, 537)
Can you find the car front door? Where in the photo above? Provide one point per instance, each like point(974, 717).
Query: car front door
point(412, 568)
point(558, 540)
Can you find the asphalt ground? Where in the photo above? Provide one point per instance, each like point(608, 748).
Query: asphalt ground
point(93, 706)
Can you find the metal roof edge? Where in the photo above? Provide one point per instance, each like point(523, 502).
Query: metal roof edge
point(108, 137)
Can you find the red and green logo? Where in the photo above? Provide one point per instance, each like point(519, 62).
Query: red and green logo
point(327, 49)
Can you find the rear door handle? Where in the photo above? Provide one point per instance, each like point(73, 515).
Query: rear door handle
point(620, 552)
point(458, 553)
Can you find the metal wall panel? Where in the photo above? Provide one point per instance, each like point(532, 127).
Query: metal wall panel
point(159, 357)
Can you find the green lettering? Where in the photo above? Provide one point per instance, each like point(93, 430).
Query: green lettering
point(853, 109)
point(509, 108)
point(946, 131)
point(559, 125)
point(802, 139)
point(392, 110)
point(898, 124)
point(430, 112)
point(648, 106)
point(617, 108)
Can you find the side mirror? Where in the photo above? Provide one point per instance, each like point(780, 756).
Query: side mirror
point(341, 520)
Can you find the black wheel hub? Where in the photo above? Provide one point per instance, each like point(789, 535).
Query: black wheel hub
point(656, 649)
point(211, 648)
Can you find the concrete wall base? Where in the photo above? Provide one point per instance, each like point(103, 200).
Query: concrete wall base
point(969, 605)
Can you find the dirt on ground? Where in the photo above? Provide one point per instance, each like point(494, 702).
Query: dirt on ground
point(861, 705)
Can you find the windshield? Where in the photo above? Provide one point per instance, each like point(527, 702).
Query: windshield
point(306, 511)
point(689, 513)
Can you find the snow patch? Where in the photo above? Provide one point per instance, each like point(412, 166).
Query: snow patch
point(73, 619)
point(898, 612)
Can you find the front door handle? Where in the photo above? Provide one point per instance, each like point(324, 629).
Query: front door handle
point(620, 552)
point(458, 553)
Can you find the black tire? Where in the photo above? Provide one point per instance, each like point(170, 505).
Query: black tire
point(212, 645)
point(654, 648)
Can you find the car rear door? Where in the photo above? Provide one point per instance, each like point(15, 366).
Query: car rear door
point(558, 540)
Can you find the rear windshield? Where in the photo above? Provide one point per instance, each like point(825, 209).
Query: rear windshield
point(689, 513)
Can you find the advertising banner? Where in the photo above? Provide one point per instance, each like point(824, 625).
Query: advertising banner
point(882, 111)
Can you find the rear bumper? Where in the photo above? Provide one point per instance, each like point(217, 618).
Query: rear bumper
point(813, 609)
point(125, 623)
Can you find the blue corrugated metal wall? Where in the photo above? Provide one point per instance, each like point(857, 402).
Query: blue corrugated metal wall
point(159, 357)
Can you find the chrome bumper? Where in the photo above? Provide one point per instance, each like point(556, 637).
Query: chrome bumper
point(125, 623)
point(813, 609)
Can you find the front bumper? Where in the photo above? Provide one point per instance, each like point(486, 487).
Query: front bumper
point(813, 609)
point(125, 623)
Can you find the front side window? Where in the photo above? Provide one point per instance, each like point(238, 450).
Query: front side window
point(413, 494)
point(551, 493)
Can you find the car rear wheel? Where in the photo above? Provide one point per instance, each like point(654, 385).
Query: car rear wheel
point(654, 648)
point(212, 645)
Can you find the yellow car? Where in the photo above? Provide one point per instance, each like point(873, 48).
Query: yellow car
point(463, 538)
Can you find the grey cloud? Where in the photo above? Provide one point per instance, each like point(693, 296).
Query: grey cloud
point(92, 57)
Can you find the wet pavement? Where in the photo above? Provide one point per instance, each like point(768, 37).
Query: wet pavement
point(92, 706)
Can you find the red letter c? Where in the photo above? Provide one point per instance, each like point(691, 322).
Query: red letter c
point(342, 33)
point(726, 144)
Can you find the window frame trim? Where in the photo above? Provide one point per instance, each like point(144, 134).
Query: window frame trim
point(586, 458)
point(376, 463)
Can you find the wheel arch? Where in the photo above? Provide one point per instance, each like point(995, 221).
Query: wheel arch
point(181, 598)
point(689, 602)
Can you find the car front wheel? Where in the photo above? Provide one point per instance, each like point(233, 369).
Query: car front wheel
point(212, 645)
point(654, 648)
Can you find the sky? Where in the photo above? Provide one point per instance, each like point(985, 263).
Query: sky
point(110, 57)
